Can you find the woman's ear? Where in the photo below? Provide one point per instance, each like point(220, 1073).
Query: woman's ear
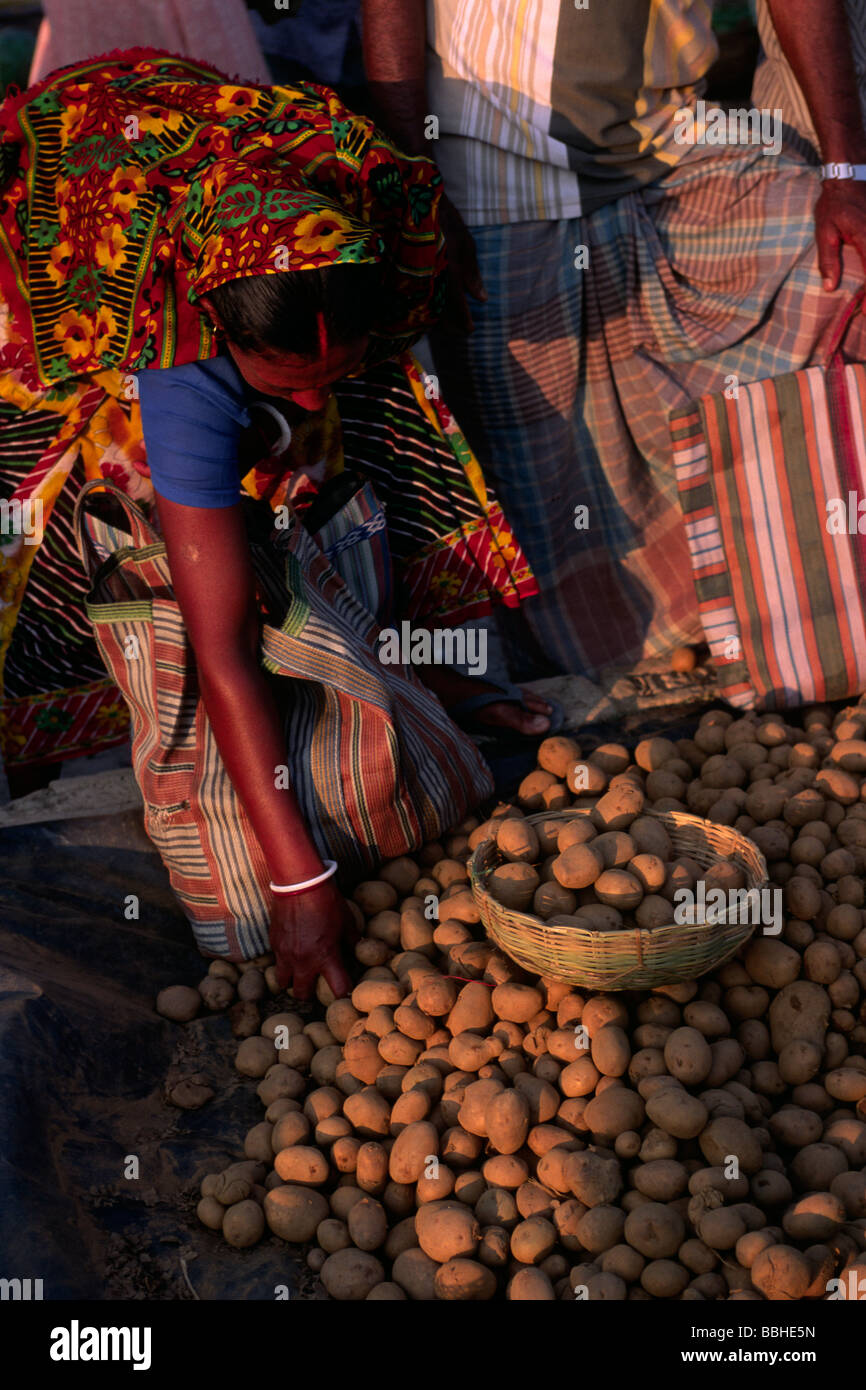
point(212, 314)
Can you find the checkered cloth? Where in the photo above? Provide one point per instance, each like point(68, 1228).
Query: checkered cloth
point(707, 278)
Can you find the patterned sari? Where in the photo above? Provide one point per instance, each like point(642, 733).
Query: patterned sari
point(129, 186)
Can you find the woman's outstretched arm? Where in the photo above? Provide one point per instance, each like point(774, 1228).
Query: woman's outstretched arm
point(213, 582)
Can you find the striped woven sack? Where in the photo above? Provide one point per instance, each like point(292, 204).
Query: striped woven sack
point(772, 483)
point(377, 766)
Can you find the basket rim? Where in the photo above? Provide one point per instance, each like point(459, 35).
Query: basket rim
point(586, 936)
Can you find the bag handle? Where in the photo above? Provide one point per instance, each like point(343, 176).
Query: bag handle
point(843, 322)
point(140, 528)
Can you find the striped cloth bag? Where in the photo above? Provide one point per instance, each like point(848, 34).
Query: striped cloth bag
point(772, 483)
point(376, 764)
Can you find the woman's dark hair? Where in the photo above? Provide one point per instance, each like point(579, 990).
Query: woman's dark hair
point(279, 311)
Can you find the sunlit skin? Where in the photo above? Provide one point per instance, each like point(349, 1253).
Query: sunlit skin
point(305, 381)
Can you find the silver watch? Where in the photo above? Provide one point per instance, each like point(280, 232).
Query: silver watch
point(843, 171)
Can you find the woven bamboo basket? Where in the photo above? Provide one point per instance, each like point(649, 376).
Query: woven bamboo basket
point(634, 959)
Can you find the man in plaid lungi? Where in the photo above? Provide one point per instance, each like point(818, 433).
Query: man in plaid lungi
point(629, 262)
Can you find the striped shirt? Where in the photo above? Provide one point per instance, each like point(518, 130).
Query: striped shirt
point(548, 110)
point(775, 85)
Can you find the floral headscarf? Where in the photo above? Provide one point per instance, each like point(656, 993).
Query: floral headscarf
point(132, 184)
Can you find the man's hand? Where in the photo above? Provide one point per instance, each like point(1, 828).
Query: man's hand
point(464, 276)
point(840, 216)
point(306, 931)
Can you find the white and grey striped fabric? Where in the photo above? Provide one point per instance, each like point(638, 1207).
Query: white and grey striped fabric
point(775, 85)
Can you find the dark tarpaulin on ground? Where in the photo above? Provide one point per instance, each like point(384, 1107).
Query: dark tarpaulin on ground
point(84, 1061)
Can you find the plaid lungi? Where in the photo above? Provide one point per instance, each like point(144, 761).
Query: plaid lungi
point(707, 278)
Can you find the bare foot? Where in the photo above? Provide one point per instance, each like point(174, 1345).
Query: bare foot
point(452, 688)
point(534, 720)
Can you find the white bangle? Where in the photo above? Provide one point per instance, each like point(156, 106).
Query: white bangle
point(330, 868)
point(844, 171)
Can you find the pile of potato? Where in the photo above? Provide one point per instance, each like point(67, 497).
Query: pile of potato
point(236, 989)
point(460, 1129)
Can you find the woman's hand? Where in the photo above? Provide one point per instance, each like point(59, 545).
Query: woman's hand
point(306, 931)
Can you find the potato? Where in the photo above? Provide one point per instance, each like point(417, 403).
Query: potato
point(799, 1010)
point(837, 785)
point(362, 1055)
point(654, 1230)
point(530, 1285)
point(436, 996)
point(211, 1213)
point(664, 1279)
point(370, 994)
point(555, 754)
point(781, 1273)
point(257, 1144)
point(817, 1217)
point(649, 870)
point(255, 1056)
point(610, 1050)
point(616, 888)
point(677, 1113)
point(579, 1078)
point(615, 848)
point(577, 831)
point(464, 1280)
point(507, 1171)
point(850, 1188)
point(542, 1097)
point(577, 867)
point(652, 753)
point(371, 1167)
point(514, 885)
point(516, 1003)
point(412, 1150)
point(551, 899)
point(369, 1113)
point(180, 1003)
point(594, 1180)
point(447, 1231)
point(618, 808)
point(846, 1084)
point(518, 841)
point(770, 962)
point(293, 1212)
point(814, 1167)
point(507, 1121)
point(375, 896)
point(415, 1273)
point(687, 1056)
point(533, 1240)
point(351, 1275)
point(472, 1011)
point(799, 1061)
point(614, 1112)
point(530, 793)
point(726, 1136)
point(654, 911)
point(368, 1224)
